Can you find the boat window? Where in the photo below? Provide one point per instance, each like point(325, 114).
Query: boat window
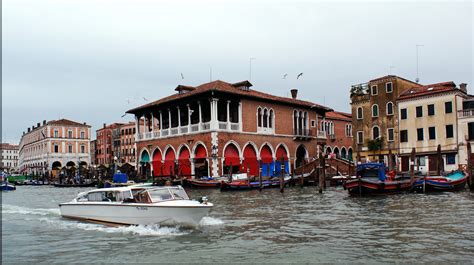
point(179, 194)
point(160, 195)
point(82, 198)
point(96, 196)
point(124, 195)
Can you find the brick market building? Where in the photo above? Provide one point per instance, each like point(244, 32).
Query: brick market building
point(105, 143)
point(338, 128)
point(52, 146)
point(127, 144)
point(218, 127)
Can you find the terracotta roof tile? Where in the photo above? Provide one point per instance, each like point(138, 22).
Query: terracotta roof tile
point(222, 86)
point(337, 115)
point(428, 90)
point(67, 122)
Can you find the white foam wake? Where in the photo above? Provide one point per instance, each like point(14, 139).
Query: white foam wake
point(209, 221)
point(14, 209)
point(141, 230)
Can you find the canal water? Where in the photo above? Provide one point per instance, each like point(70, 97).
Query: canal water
point(298, 226)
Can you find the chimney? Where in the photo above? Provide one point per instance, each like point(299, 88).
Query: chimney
point(29, 130)
point(294, 93)
point(463, 87)
point(38, 124)
point(104, 125)
point(84, 123)
point(44, 122)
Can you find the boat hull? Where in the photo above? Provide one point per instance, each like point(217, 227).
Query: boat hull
point(371, 187)
point(245, 185)
point(439, 184)
point(135, 214)
point(7, 187)
point(57, 185)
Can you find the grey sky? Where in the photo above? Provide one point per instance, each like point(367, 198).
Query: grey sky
point(82, 60)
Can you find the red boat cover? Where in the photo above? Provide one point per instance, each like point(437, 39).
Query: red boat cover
point(231, 155)
point(266, 155)
point(281, 152)
point(157, 163)
point(200, 152)
point(250, 161)
point(168, 168)
point(184, 165)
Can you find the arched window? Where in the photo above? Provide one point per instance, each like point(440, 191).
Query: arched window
point(389, 108)
point(360, 113)
point(375, 132)
point(375, 110)
point(259, 117)
point(265, 118)
point(270, 119)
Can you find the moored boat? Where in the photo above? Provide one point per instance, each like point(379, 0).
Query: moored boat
point(371, 179)
point(4, 183)
point(243, 182)
point(453, 181)
point(137, 205)
point(74, 185)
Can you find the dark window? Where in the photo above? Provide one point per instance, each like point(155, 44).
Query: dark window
point(403, 114)
point(56, 148)
point(449, 131)
point(375, 110)
point(388, 87)
point(470, 129)
point(360, 137)
point(431, 110)
point(419, 111)
point(375, 132)
point(359, 113)
point(451, 159)
point(419, 133)
point(404, 136)
point(374, 90)
point(432, 133)
point(389, 108)
point(448, 107)
point(390, 134)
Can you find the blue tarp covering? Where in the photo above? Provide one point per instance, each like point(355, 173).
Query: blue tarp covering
point(120, 178)
point(278, 168)
point(267, 169)
point(372, 170)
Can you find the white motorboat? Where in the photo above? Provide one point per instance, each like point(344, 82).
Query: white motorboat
point(137, 205)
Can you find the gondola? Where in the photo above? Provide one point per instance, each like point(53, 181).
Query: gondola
point(371, 179)
point(453, 181)
point(92, 184)
point(242, 182)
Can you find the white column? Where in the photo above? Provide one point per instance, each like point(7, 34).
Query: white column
point(169, 119)
point(161, 123)
point(240, 116)
point(189, 120)
point(228, 114)
point(200, 114)
point(297, 122)
point(179, 117)
point(214, 114)
point(152, 122)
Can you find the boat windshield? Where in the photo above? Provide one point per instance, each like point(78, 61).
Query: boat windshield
point(158, 195)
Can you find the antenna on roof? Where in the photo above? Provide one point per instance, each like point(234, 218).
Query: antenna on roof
point(417, 77)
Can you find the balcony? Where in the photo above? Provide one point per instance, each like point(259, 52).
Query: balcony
point(467, 113)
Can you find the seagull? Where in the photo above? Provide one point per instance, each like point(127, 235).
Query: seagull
point(182, 76)
point(299, 75)
point(284, 76)
point(128, 101)
point(144, 98)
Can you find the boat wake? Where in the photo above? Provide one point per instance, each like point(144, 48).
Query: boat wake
point(53, 218)
point(14, 209)
point(210, 221)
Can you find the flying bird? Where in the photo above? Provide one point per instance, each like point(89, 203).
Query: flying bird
point(299, 75)
point(182, 76)
point(128, 101)
point(144, 98)
point(284, 76)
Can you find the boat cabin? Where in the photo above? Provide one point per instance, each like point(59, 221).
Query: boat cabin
point(134, 195)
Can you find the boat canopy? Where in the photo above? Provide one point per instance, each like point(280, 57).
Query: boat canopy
point(372, 170)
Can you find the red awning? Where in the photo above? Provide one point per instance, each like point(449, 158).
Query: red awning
point(250, 161)
point(281, 152)
point(266, 155)
point(200, 152)
point(168, 167)
point(157, 163)
point(231, 155)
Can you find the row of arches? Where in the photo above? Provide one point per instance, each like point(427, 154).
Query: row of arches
point(343, 152)
point(186, 161)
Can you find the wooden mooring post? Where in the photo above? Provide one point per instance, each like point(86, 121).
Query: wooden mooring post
point(322, 175)
point(260, 181)
point(282, 175)
point(412, 165)
point(470, 181)
point(439, 160)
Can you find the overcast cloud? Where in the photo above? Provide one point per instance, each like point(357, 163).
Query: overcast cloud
point(84, 60)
